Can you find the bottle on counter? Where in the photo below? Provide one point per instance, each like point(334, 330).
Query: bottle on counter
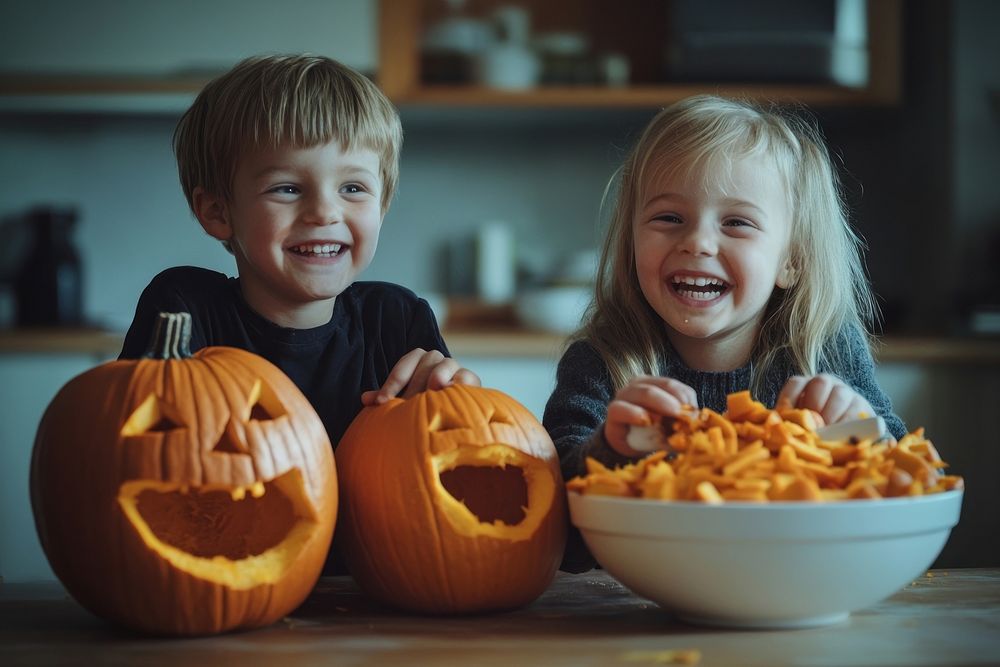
point(48, 288)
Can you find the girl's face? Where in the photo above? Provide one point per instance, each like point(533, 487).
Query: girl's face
point(303, 223)
point(710, 251)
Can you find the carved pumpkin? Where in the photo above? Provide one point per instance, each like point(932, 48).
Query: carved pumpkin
point(183, 494)
point(451, 501)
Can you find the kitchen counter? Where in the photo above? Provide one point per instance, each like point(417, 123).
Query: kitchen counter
point(946, 617)
point(503, 341)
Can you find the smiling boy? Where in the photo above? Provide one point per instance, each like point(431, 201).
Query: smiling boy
point(291, 162)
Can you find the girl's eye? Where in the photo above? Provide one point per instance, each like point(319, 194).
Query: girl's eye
point(352, 189)
point(668, 217)
point(285, 190)
point(737, 222)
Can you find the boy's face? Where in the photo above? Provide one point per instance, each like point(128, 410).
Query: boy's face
point(710, 251)
point(302, 223)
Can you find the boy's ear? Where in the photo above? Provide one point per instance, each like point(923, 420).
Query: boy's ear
point(212, 213)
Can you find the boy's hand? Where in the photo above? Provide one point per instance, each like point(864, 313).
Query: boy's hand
point(642, 401)
point(417, 371)
point(826, 394)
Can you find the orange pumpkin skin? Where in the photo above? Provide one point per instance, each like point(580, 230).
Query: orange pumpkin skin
point(409, 542)
point(130, 462)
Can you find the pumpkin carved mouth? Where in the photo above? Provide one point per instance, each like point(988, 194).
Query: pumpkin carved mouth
point(493, 490)
point(241, 535)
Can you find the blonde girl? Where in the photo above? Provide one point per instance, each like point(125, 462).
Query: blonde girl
point(728, 264)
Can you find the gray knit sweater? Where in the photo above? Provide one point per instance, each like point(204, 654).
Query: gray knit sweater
point(577, 408)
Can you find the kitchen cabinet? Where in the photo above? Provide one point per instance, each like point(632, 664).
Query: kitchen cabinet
point(640, 31)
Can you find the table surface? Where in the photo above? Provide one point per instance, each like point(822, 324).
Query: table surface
point(944, 618)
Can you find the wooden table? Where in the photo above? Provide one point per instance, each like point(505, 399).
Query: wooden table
point(944, 618)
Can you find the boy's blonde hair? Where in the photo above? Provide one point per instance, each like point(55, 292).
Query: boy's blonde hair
point(705, 133)
point(268, 101)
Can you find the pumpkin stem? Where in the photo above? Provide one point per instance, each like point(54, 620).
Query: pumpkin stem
point(172, 337)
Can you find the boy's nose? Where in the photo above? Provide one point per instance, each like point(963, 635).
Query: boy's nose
point(325, 210)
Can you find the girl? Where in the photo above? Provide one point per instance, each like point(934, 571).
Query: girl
point(729, 264)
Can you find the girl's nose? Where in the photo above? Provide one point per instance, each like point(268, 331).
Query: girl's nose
point(700, 239)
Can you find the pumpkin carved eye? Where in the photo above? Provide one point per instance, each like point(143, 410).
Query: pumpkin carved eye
point(262, 406)
point(445, 421)
point(263, 403)
point(152, 416)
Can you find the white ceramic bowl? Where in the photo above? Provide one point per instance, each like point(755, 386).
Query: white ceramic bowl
point(776, 565)
point(556, 309)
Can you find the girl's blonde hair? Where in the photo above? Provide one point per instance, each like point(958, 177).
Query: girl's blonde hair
point(705, 133)
point(269, 101)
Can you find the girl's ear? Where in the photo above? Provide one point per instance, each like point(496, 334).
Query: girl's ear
point(212, 213)
point(787, 275)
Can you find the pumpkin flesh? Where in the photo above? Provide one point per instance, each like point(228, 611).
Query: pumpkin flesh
point(235, 536)
point(487, 490)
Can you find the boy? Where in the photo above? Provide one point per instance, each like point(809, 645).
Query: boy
point(291, 162)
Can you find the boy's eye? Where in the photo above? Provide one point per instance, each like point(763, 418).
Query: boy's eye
point(285, 189)
point(352, 189)
point(737, 222)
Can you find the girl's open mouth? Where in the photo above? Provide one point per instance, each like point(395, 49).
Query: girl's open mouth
point(699, 288)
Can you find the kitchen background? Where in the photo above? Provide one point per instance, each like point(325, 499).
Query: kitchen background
point(516, 115)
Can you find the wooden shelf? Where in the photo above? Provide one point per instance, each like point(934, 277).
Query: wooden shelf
point(401, 25)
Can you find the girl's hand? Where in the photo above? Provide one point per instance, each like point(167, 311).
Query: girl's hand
point(419, 370)
point(641, 402)
point(826, 394)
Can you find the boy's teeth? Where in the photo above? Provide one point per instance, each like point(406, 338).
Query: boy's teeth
point(319, 248)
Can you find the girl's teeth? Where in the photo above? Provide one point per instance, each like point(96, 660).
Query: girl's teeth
point(699, 288)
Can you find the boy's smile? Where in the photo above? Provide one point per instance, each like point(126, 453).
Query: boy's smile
point(302, 223)
point(709, 252)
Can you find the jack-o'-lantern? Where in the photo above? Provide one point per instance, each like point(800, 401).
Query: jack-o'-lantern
point(451, 501)
point(182, 494)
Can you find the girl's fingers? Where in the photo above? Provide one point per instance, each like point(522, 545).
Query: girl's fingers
point(682, 392)
point(816, 393)
point(654, 397)
point(624, 414)
point(627, 413)
point(792, 390)
point(838, 404)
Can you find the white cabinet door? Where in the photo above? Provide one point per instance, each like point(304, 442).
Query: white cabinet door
point(163, 37)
